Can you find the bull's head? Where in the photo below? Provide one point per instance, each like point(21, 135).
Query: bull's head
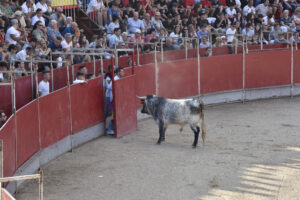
point(144, 101)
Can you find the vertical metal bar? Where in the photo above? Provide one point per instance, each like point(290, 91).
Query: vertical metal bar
point(51, 65)
point(236, 44)
point(116, 60)
point(156, 71)
point(162, 51)
point(72, 73)
point(12, 93)
point(292, 70)
point(138, 54)
point(246, 48)
point(198, 64)
point(261, 39)
point(31, 75)
point(37, 84)
point(94, 64)
point(0, 190)
point(211, 45)
point(114, 95)
point(244, 56)
point(132, 62)
point(41, 185)
point(68, 75)
point(186, 48)
point(296, 45)
point(101, 62)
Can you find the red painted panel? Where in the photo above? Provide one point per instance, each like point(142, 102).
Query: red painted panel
point(5, 99)
point(126, 119)
point(23, 91)
point(60, 78)
point(147, 58)
point(87, 104)
point(7, 135)
point(267, 69)
point(220, 73)
point(174, 55)
point(297, 66)
point(28, 132)
point(6, 195)
point(54, 117)
point(220, 51)
point(178, 78)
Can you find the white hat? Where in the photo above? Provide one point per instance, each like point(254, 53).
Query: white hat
point(138, 31)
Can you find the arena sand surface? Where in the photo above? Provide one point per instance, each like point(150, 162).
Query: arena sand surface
point(252, 152)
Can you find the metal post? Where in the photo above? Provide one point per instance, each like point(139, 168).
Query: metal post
point(246, 48)
point(31, 78)
point(156, 71)
point(37, 84)
point(94, 65)
point(261, 40)
point(138, 54)
point(162, 51)
point(244, 93)
point(236, 44)
point(12, 93)
point(116, 60)
point(132, 62)
point(186, 49)
point(101, 62)
point(198, 64)
point(68, 75)
point(41, 186)
point(292, 70)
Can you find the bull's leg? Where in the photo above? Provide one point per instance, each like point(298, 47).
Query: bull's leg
point(196, 131)
point(161, 131)
point(163, 134)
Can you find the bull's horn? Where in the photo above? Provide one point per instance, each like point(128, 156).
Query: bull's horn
point(141, 98)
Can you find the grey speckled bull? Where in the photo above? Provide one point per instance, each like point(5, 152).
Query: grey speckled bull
point(172, 111)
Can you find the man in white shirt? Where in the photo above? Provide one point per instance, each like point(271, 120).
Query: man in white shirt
point(116, 38)
point(13, 35)
point(24, 54)
point(230, 34)
point(42, 5)
point(231, 11)
point(38, 17)
point(28, 9)
point(44, 87)
point(80, 78)
point(67, 43)
point(263, 8)
point(249, 9)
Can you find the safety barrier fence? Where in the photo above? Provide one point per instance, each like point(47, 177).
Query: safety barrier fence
point(47, 120)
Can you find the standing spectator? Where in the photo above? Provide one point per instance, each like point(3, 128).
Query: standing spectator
point(3, 118)
point(13, 35)
point(38, 17)
point(135, 24)
point(52, 31)
point(44, 87)
point(59, 17)
point(97, 11)
point(116, 38)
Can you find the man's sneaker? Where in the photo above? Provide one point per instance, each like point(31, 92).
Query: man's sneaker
point(110, 132)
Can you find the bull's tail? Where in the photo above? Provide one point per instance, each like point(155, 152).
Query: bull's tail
point(203, 127)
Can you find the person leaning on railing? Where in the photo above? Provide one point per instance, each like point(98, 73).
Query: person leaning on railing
point(3, 118)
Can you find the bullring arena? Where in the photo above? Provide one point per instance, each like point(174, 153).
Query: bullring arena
point(251, 113)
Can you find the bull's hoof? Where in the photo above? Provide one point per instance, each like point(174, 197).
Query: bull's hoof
point(194, 146)
point(158, 142)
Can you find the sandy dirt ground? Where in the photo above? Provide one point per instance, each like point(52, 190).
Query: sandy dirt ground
point(252, 152)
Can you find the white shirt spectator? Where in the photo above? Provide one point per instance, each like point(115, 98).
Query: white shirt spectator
point(262, 9)
point(94, 4)
point(66, 45)
point(175, 37)
point(1, 76)
point(78, 81)
point(238, 3)
point(230, 12)
point(21, 55)
point(114, 39)
point(250, 32)
point(230, 35)
point(204, 46)
point(247, 10)
point(44, 88)
point(133, 25)
point(266, 20)
point(35, 19)
point(12, 31)
point(26, 10)
point(44, 7)
point(111, 27)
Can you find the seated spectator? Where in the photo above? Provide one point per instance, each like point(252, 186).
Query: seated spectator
point(112, 11)
point(125, 37)
point(263, 8)
point(111, 27)
point(43, 50)
point(28, 11)
point(56, 45)
point(204, 43)
point(83, 70)
point(20, 68)
point(43, 6)
point(6, 9)
point(137, 38)
point(13, 35)
point(38, 17)
point(150, 35)
point(3, 118)
point(82, 42)
point(149, 47)
point(12, 50)
point(248, 32)
point(176, 35)
point(168, 46)
point(3, 67)
point(44, 87)
point(80, 78)
point(25, 54)
point(67, 44)
point(72, 29)
point(32, 43)
point(19, 16)
point(59, 17)
point(3, 53)
point(249, 8)
point(148, 23)
point(157, 22)
point(285, 21)
point(296, 18)
point(116, 38)
point(90, 76)
point(39, 31)
point(135, 24)
point(52, 31)
point(97, 11)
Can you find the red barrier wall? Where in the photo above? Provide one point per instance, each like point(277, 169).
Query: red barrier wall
point(27, 132)
point(178, 78)
point(5, 99)
point(60, 78)
point(23, 91)
point(87, 104)
point(297, 66)
point(126, 119)
point(267, 69)
point(54, 117)
point(221, 73)
point(174, 55)
point(7, 135)
point(6, 195)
